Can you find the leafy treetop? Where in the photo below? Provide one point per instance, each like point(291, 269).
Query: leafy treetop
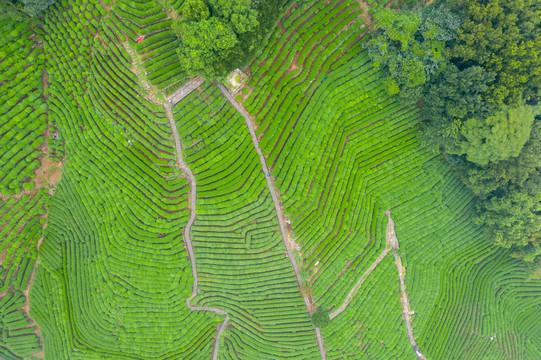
point(320, 318)
point(209, 32)
point(497, 137)
point(411, 45)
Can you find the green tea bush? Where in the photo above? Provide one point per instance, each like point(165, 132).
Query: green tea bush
point(21, 230)
point(158, 49)
point(22, 109)
point(342, 152)
point(113, 274)
point(104, 124)
point(239, 252)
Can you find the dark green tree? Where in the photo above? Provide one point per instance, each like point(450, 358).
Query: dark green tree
point(512, 218)
point(504, 37)
point(204, 44)
point(249, 41)
point(450, 99)
point(238, 13)
point(209, 31)
point(456, 94)
point(411, 46)
point(34, 7)
point(10, 10)
point(320, 319)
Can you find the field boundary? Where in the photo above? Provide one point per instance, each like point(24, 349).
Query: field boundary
point(187, 240)
point(406, 310)
point(177, 96)
point(278, 209)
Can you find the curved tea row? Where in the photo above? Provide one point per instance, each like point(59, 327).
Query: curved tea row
point(342, 152)
point(241, 260)
point(114, 275)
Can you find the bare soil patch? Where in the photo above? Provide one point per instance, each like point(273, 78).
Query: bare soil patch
point(367, 18)
point(45, 83)
point(173, 14)
point(294, 63)
point(282, 28)
point(53, 175)
point(50, 171)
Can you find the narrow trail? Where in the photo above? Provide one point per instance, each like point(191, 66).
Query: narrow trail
point(279, 214)
point(185, 90)
point(187, 229)
point(357, 286)
point(406, 311)
point(388, 245)
point(391, 243)
point(367, 18)
point(138, 69)
point(173, 99)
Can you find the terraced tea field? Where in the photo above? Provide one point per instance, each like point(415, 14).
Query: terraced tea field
point(342, 153)
point(177, 233)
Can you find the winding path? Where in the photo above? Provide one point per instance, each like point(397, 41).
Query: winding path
point(391, 243)
point(177, 96)
point(279, 214)
point(187, 238)
point(404, 296)
point(360, 282)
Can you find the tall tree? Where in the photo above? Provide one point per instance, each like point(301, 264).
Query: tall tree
point(238, 13)
point(450, 99)
point(495, 138)
point(195, 10)
point(209, 31)
point(510, 198)
point(10, 10)
point(496, 177)
point(480, 113)
point(204, 44)
point(512, 219)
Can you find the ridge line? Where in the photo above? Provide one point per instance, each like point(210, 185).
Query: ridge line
point(279, 214)
point(186, 233)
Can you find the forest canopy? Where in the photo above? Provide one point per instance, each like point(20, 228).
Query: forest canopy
point(220, 35)
point(475, 68)
point(21, 9)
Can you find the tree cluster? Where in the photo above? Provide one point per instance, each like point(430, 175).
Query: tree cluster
point(209, 31)
point(320, 318)
point(475, 67)
point(21, 10)
point(510, 197)
point(504, 37)
point(482, 116)
point(220, 35)
point(411, 45)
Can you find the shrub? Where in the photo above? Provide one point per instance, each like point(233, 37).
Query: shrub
point(320, 318)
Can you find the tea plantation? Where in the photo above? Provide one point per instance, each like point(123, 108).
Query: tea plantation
point(104, 254)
